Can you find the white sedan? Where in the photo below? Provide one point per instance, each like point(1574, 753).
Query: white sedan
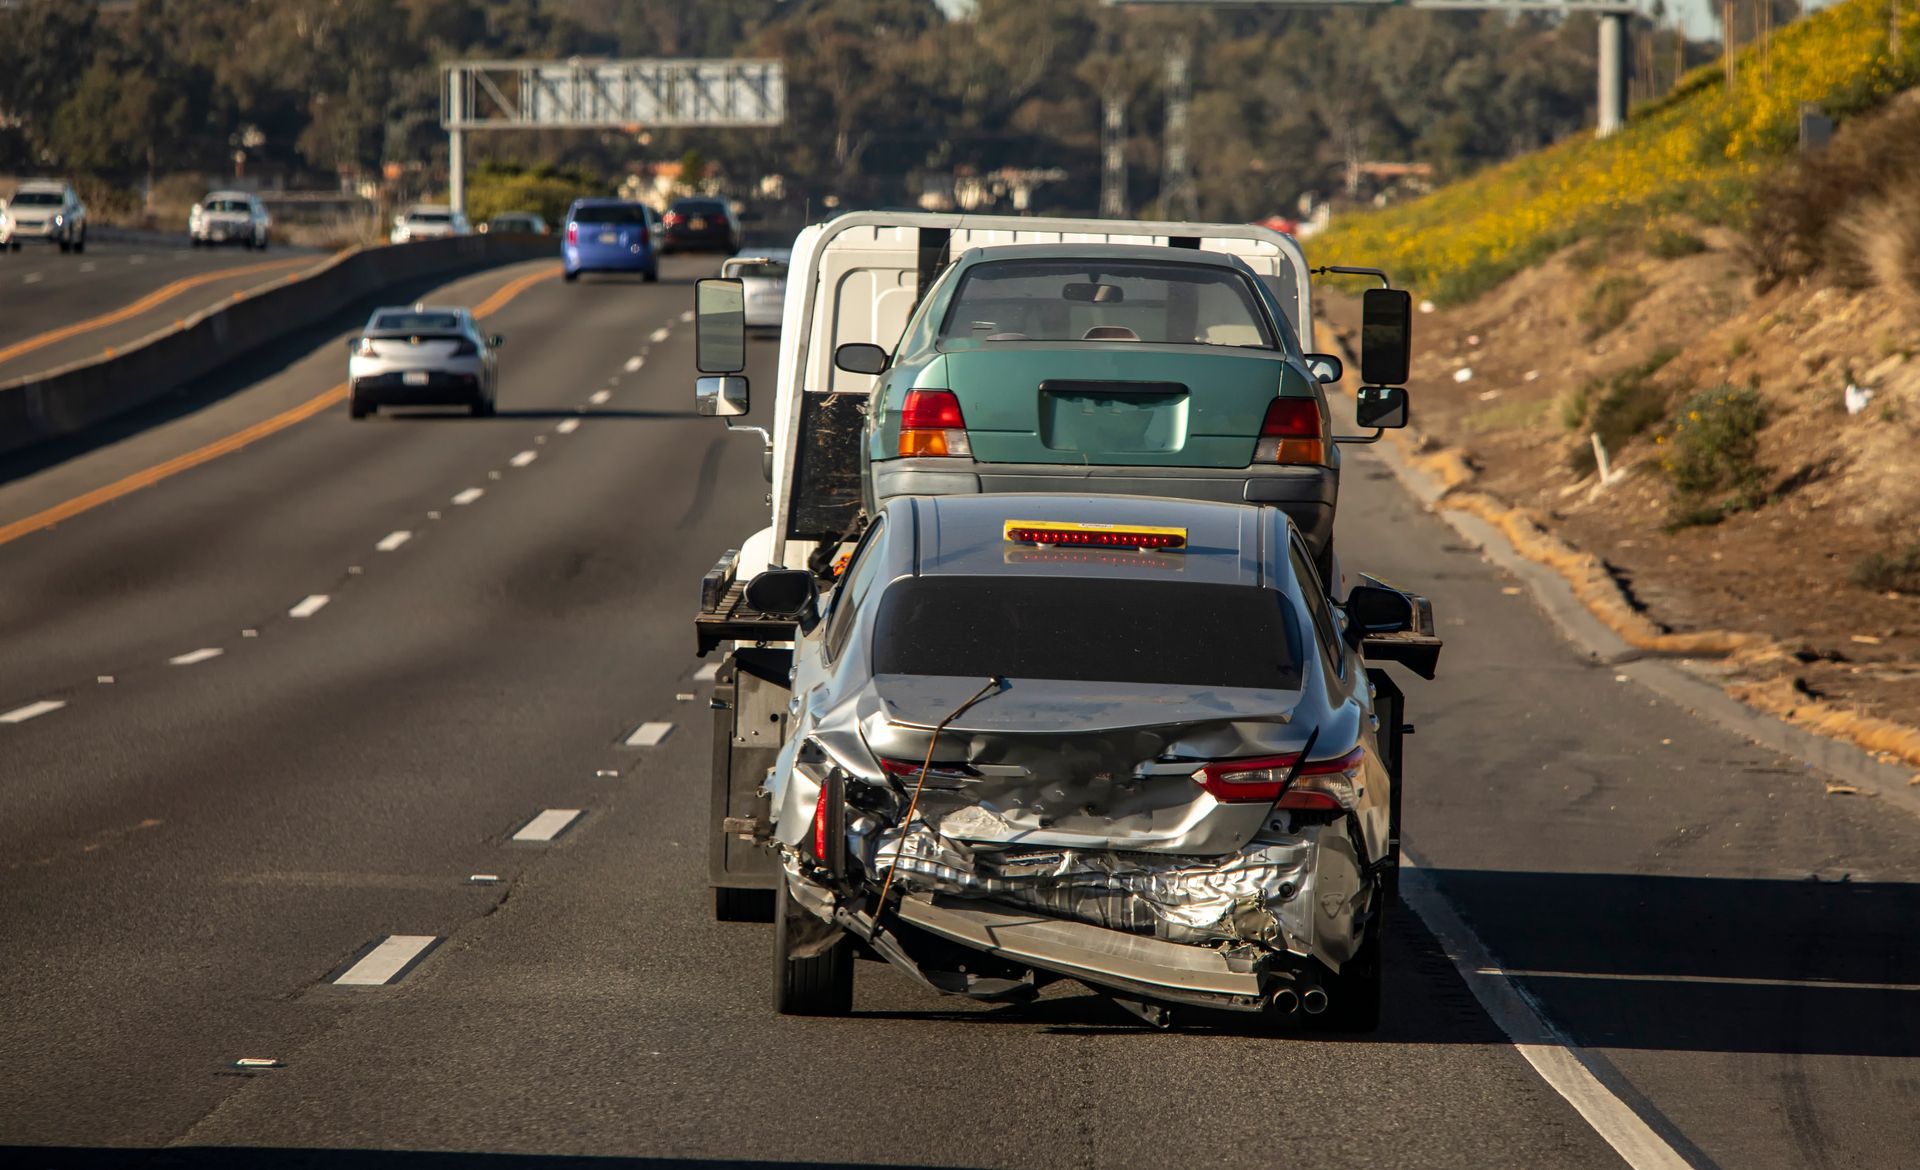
point(228, 217)
point(429, 221)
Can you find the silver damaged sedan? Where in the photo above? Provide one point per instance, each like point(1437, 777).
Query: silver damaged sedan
point(1125, 741)
point(424, 355)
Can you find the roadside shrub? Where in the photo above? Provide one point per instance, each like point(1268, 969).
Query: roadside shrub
point(1896, 571)
point(1710, 454)
point(1795, 228)
point(500, 187)
point(1609, 303)
point(1883, 237)
point(1665, 241)
point(1616, 408)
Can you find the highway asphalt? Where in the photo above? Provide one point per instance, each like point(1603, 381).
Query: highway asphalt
point(194, 852)
point(58, 308)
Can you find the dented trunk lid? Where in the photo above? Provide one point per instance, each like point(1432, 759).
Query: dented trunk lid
point(1080, 765)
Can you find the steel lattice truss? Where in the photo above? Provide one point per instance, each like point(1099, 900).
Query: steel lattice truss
point(501, 95)
point(1627, 6)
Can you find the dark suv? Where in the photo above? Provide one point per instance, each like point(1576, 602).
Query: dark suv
point(700, 225)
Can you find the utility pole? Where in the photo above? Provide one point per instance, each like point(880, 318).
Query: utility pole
point(1176, 182)
point(456, 144)
point(1727, 14)
point(1612, 95)
point(1113, 155)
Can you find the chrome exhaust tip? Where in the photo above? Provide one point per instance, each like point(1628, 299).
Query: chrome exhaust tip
point(1285, 1001)
point(1315, 1001)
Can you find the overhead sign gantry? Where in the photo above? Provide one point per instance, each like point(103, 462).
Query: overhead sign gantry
point(580, 94)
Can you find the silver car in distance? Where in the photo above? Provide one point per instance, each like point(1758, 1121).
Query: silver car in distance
point(423, 355)
point(762, 273)
point(1121, 740)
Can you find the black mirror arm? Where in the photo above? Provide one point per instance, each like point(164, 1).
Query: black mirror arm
point(1373, 438)
point(1348, 270)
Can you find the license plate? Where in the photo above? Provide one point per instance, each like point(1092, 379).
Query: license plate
point(697, 224)
point(414, 378)
point(609, 238)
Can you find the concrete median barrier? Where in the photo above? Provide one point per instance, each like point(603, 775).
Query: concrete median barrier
point(74, 397)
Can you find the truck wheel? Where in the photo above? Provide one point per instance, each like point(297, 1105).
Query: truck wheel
point(736, 905)
point(80, 245)
point(66, 246)
point(358, 407)
point(819, 985)
point(1353, 999)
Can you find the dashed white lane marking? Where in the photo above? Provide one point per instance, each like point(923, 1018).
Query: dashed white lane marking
point(88, 266)
point(394, 539)
point(547, 825)
point(32, 278)
point(313, 604)
point(599, 397)
point(649, 734)
point(659, 335)
point(686, 318)
point(469, 496)
point(257, 1062)
point(386, 962)
point(707, 673)
point(32, 711)
point(524, 458)
point(634, 363)
point(567, 426)
point(193, 656)
point(1559, 1063)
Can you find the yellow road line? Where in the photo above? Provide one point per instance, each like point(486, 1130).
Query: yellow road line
point(87, 501)
point(153, 299)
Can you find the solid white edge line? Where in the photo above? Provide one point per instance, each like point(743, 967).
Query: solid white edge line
point(313, 603)
point(1555, 1058)
point(599, 397)
point(386, 961)
point(193, 656)
point(1724, 980)
point(524, 458)
point(32, 710)
point(469, 496)
point(659, 335)
point(394, 540)
point(547, 825)
point(567, 426)
point(649, 735)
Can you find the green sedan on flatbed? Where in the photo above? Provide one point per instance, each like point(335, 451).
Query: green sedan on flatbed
point(1124, 369)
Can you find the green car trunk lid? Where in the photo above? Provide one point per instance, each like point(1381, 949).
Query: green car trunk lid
point(1117, 403)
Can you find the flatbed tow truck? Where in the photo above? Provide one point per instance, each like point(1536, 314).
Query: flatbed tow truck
point(857, 279)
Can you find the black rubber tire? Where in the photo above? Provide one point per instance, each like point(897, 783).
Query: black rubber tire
point(483, 408)
point(735, 905)
point(358, 407)
point(1353, 998)
point(65, 246)
point(80, 245)
point(818, 986)
point(569, 277)
point(651, 275)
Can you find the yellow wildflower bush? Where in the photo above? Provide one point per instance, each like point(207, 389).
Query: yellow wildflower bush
point(1696, 151)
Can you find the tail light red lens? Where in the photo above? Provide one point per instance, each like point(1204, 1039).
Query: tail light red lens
point(671, 219)
point(1291, 433)
point(573, 233)
point(820, 825)
point(910, 770)
point(1329, 785)
point(931, 424)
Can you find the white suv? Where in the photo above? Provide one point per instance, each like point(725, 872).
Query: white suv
point(228, 217)
point(429, 221)
point(47, 211)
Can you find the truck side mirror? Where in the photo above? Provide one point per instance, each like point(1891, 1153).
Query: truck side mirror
point(1381, 407)
point(860, 357)
point(719, 326)
point(720, 396)
point(786, 593)
point(1386, 336)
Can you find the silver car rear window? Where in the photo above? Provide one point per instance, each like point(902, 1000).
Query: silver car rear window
point(417, 322)
point(1089, 629)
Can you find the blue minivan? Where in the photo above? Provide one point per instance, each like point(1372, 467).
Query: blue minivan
point(611, 235)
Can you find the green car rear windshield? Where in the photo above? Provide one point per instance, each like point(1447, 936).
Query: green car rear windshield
point(1097, 300)
point(1089, 629)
